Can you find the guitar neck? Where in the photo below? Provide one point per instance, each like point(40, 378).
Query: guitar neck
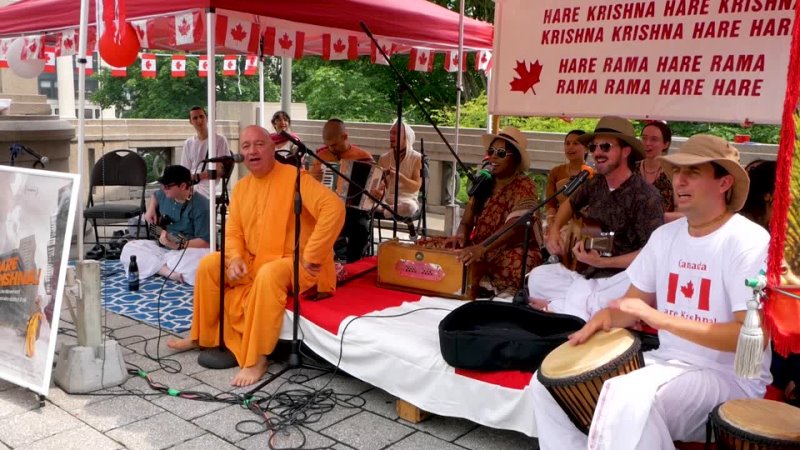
point(156, 230)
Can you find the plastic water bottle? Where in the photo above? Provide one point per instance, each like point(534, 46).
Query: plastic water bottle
point(133, 275)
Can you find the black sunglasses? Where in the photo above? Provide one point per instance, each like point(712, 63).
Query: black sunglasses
point(605, 147)
point(501, 152)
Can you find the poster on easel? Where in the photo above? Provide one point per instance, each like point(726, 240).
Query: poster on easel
point(37, 211)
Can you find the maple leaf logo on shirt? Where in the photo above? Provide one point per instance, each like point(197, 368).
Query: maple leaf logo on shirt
point(687, 290)
point(238, 33)
point(285, 42)
point(339, 46)
point(528, 76)
point(183, 28)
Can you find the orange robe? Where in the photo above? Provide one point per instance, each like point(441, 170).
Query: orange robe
point(32, 333)
point(260, 230)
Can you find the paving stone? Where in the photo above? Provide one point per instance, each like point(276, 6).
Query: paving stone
point(205, 442)
point(16, 400)
point(190, 409)
point(116, 321)
point(3, 446)
point(340, 446)
point(220, 379)
point(380, 402)
point(223, 422)
point(340, 383)
point(485, 437)
point(291, 438)
point(447, 428)
point(6, 385)
point(127, 336)
point(337, 414)
point(188, 362)
point(156, 432)
point(79, 438)
point(422, 441)
point(73, 402)
point(34, 425)
point(153, 347)
point(116, 412)
point(136, 360)
point(368, 431)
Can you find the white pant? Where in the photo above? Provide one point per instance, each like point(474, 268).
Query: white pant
point(678, 411)
point(405, 207)
point(151, 258)
point(568, 292)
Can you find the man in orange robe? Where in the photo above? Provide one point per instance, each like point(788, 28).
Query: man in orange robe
point(259, 244)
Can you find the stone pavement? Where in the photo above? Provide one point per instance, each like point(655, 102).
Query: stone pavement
point(137, 417)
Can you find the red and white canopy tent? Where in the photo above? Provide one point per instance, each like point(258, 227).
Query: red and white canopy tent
point(709, 61)
point(233, 25)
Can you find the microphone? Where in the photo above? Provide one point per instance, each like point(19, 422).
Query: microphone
point(483, 175)
point(236, 157)
point(575, 182)
point(301, 148)
point(15, 148)
point(288, 157)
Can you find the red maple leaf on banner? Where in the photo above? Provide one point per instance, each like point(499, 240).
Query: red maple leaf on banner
point(285, 42)
point(178, 65)
point(68, 43)
point(183, 28)
point(139, 31)
point(203, 65)
point(528, 76)
point(423, 59)
point(238, 33)
point(32, 48)
point(339, 46)
point(484, 58)
point(148, 64)
point(687, 290)
point(455, 60)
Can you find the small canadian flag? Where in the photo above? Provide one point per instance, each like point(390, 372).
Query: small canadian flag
point(67, 42)
point(33, 48)
point(186, 28)
point(237, 34)
point(388, 47)
point(149, 68)
point(88, 68)
point(337, 46)
point(202, 66)
point(4, 43)
point(49, 59)
point(142, 28)
point(251, 65)
point(451, 60)
point(229, 65)
point(178, 66)
point(483, 61)
point(420, 59)
point(119, 71)
point(281, 42)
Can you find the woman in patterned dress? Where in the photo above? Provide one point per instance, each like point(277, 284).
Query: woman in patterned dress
point(657, 137)
point(496, 204)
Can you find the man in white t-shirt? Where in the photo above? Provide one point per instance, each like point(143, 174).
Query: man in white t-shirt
point(195, 150)
point(688, 282)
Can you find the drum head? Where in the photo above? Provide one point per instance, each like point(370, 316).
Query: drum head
point(764, 418)
point(571, 360)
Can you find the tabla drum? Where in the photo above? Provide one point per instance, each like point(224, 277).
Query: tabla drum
point(756, 424)
point(574, 374)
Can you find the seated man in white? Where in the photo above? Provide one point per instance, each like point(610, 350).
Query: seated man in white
point(410, 173)
point(183, 222)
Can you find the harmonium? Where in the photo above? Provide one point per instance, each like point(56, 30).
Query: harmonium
point(414, 268)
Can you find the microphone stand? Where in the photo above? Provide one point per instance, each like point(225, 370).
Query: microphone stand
point(521, 297)
point(294, 361)
point(220, 357)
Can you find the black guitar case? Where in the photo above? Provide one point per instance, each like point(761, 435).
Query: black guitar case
point(492, 335)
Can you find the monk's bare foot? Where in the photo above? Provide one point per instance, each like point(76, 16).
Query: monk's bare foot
point(166, 272)
point(251, 375)
point(182, 344)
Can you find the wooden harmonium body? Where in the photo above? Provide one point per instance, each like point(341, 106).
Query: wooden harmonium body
point(422, 270)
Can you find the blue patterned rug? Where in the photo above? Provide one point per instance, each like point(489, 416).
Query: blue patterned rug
point(173, 311)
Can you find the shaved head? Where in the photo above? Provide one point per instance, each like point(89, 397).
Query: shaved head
point(334, 135)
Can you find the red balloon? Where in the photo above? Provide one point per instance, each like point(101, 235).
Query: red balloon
point(121, 54)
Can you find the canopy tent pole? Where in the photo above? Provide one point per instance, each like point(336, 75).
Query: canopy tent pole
point(286, 85)
point(212, 126)
point(83, 29)
point(261, 114)
point(459, 89)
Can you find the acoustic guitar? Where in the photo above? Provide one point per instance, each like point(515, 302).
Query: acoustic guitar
point(161, 225)
point(594, 238)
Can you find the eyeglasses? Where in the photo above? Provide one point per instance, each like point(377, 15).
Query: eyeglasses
point(605, 147)
point(501, 152)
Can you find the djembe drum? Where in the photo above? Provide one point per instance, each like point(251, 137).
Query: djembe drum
point(756, 424)
point(574, 374)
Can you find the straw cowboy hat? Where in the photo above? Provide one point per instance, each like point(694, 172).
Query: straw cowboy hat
point(514, 137)
point(703, 148)
point(619, 128)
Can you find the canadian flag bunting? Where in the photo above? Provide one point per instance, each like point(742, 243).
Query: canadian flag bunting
point(186, 28)
point(49, 59)
point(483, 61)
point(451, 62)
point(67, 42)
point(388, 47)
point(202, 66)
point(178, 66)
point(142, 28)
point(119, 71)
point(420, 59)
point(251, 65)
point(33, 48)
point(88, 68)
point(4, 43)
point(280, 42)
point(336, 46)
point(229, 65)
point(149, 65)
point(237, 34)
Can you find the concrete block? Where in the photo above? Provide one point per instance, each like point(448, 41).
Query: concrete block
point(85, 369)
